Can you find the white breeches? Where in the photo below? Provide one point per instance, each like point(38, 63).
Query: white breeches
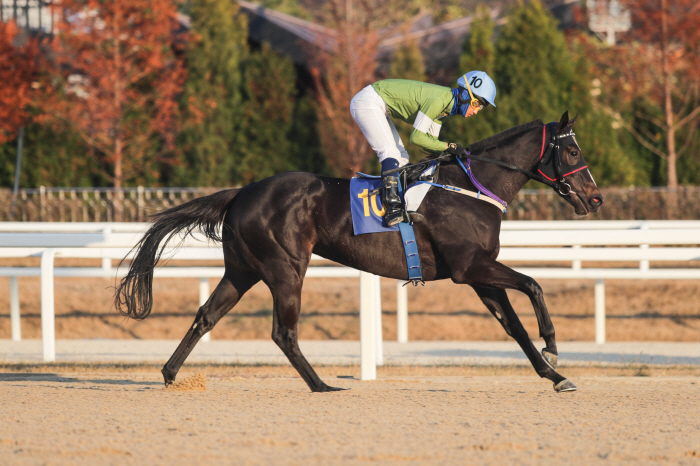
point(372, 116)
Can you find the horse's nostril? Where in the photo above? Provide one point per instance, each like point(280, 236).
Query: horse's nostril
point(596, 201)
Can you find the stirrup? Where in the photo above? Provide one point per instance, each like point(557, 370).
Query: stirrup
point(394, 218)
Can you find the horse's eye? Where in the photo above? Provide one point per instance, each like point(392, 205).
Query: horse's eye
point(574, 153)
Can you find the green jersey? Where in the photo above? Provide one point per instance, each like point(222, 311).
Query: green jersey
point(421, 104)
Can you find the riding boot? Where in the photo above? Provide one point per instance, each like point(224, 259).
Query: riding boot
point(392, 201)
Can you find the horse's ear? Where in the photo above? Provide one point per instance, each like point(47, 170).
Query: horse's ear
point(563, 122)
point(571, 122)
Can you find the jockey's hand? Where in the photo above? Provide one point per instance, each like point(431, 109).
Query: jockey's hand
point(456, 149)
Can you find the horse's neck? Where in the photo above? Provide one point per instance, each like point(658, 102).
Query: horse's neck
point(503, 182)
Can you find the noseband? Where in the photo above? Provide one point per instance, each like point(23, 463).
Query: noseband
point(551, 166)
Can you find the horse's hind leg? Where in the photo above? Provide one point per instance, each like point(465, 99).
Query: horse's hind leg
point(227, 293)
point(285, 317)
point(496, 300)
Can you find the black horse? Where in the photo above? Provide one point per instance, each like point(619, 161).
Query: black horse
point(272, 227)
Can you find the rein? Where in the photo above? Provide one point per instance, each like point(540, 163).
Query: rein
point(558, 183)
point(561, 186)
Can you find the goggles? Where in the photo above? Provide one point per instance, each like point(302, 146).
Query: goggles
point(474, 102)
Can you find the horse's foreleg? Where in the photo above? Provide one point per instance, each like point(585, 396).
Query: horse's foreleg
point(496, 300)
point(227, 293)
point(494, 274)
point(285, 317)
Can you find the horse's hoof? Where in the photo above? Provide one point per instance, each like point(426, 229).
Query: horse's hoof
point(328, 388)
point(565, 386)
point(550, 359)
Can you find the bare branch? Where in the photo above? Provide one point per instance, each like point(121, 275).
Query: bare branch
point(651, 119)
point(688, 118)
point(686, 144)
point(632, 131)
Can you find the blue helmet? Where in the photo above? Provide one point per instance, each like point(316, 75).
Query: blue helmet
point(480, 84)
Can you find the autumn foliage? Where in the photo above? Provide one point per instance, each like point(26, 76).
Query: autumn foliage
point(17, 71)
point(659, 63)
point(119, 79)
point(343, 68)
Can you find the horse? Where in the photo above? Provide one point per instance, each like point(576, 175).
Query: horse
point(269, 230)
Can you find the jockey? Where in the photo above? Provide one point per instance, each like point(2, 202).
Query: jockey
point(424, 106)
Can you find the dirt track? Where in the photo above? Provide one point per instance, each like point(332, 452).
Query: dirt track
point(127, 418)
point(266, 415)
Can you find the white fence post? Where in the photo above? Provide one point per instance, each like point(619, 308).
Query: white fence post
point(203, 296)
point(106, 261)
point(600, 311)
point(379, 331)
point(644, 264)
point(368, 358)
point(576, 265)
point(401, 312)
point(48, 326)
point(14, 310)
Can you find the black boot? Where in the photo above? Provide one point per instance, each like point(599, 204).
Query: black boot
point(392, 201)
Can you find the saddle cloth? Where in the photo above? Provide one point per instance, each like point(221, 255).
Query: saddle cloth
point(368, 211)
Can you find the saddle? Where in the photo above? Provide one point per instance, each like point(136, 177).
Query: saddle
point(408, 174)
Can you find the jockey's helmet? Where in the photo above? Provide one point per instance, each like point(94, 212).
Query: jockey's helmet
point(480, 86)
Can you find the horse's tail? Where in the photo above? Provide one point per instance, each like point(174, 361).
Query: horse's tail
point(134, 295)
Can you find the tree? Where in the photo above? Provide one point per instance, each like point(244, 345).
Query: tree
point(604, 145)
point(212, 141)
point(17, 72)
point(342, 70)
point(269, 80)
point(115, 81)
point(534, 70)
point(478, 53)
point(408, 63)
point(661, 68)
point(52, 156)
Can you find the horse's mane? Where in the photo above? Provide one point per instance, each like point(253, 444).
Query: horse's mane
point(502, 137)
point(497, 139)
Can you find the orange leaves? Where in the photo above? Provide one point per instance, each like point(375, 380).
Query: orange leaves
point(120, 78)
point(17, 71)
point(344, 68)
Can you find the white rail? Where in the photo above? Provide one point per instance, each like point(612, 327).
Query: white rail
point(108, 241)
point(569, 242)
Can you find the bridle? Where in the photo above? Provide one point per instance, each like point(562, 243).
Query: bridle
point(549, 152)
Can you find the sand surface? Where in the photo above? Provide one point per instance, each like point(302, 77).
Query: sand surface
point(101, 414)
point(94, 418)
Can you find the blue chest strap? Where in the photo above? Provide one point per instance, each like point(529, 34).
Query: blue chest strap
point(408, 237)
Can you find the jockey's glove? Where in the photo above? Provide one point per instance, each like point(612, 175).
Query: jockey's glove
point(456, 149)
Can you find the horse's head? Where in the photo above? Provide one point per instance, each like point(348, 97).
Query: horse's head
point(564, 162)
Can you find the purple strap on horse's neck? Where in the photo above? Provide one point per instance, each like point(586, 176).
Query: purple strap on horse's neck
point(476, 183)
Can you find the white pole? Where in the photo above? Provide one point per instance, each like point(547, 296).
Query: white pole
point(377, 305)
point(644, 264)
point(14, 310)
point(48, 326)
point(106, 261)
point(576, 265)
point(368, 359)
point(203, 296)
point(401, 312)
point(600, 312)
